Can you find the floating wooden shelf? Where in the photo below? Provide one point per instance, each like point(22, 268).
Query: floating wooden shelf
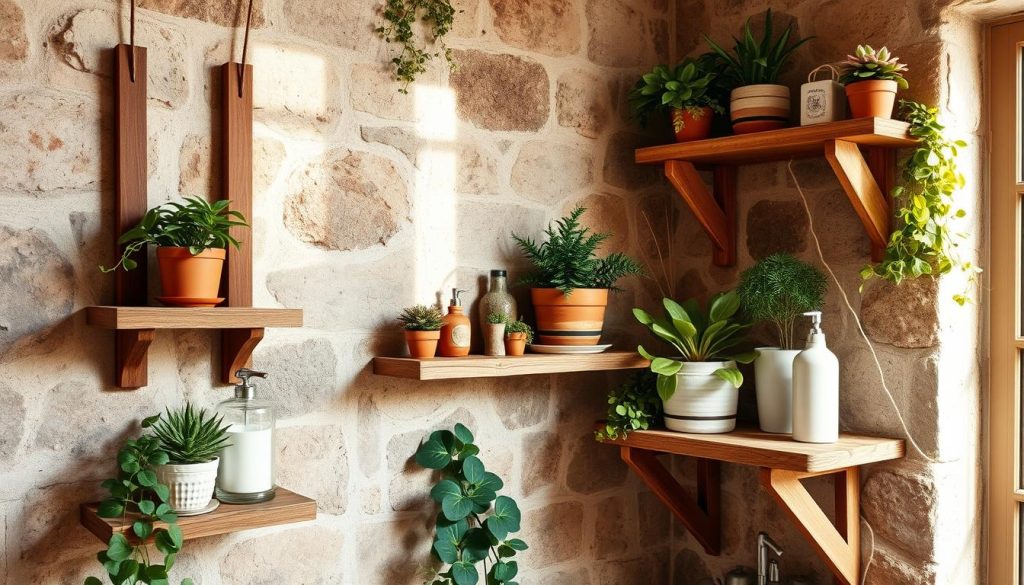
point(478, 366)
point(866, 177)
point(242, 329)
point(286, 507)
point(784, 463)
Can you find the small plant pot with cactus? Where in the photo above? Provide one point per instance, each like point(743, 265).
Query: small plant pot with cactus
point(872, 79)
point(192, 440)
point(517, 335)
point(422, 326)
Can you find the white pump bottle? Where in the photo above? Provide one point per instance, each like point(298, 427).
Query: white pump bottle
point(816, 389)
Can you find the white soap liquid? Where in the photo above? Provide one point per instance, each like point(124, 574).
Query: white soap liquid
point(247, 466)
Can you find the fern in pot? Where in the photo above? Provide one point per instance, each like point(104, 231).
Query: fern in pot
point(699, 387)
point(570, 282)
point(192, 440)
point(777, 290)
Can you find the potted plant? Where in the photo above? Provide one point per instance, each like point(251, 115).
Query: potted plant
point(422, 330)
point(517, 335)
point(871, 79)
point(699, 389)
point(474, 524)
point(757, 101)
point(570, 283)
point(777, 290)
point(632, 406)
point(494, 334)
point(683, 90)
point(192, 439)
point(191, 239)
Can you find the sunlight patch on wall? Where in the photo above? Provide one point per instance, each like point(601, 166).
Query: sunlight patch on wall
point(289, 80)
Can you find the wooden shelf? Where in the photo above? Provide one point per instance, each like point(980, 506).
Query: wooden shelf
point(860, 152)
point(478, 366)
point(242, 328)
point(286, 507)
point(783, 463)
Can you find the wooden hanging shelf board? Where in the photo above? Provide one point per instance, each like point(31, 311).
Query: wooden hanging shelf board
point(479, 366)
point(287, 507)
point(859, 151)
point(783, 464)
point(107, 317)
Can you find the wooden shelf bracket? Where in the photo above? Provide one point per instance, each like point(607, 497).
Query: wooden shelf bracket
point(715, 211)
point(131, 353)
point(701, 516)
point(838, 545)
point(236, 346)
point(869, 200)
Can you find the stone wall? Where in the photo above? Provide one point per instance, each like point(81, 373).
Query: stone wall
point(367, 200)
point(924, 511)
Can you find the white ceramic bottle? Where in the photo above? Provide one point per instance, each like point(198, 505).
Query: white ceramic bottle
point(816, 389)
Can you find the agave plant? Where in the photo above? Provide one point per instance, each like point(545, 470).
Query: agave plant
point(189, 436)
point(684, 86)
point(698, 337)
point(867, 64)
point(753, 62)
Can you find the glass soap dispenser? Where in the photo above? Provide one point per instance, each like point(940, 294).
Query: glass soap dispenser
point(246, 473)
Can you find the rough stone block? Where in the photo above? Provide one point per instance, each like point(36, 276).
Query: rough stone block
point(900, 505)
point(775, 227)
point(307, 555)
point(620, 168)
point(904, 315)
point(594, 467)
point(551, 27)
point(583, 102)
point(622, 36)
point(541, 461)
point(501, 92)
point(554, 533)
point(549, 171)
point(313, 461)
point(13, 39)
point(303, 375)
point(299, 89)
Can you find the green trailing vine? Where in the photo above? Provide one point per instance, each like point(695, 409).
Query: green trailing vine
point(437, 16)
point(925, 243)
point(632, 406)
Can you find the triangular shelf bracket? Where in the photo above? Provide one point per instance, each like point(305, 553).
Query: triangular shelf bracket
point(860, 180)
point(716, 211)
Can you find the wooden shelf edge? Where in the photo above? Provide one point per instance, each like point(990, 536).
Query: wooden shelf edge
point(121, 318)
point(287, 507)
point(478, 366)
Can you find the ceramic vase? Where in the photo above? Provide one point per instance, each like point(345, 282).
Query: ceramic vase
point(494, 339)
point(755, 108)
point(773, 378)
point(702, 402)
point(191, 485)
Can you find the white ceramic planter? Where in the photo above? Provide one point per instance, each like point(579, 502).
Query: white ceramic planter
point(773, 377)
point(703, 402)
point(494, 339)
point(191, 485)
point(754, 108)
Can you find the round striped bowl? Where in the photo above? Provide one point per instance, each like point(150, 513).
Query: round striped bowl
point(575, 319)
point(703, 402)
point(754, 108)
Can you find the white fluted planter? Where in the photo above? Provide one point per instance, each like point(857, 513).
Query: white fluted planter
point(773, 378)
point(703, 402)
point(191, 485)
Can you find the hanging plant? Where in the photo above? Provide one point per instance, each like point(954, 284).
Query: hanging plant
point(437, 17)
point(924, 242)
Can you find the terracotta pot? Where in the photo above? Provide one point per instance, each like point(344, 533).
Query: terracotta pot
point(515, 344)
point(574, 319)
point(187, 280)
point(756, 108)
point(422, 344)
point(872, 98)
point(692, 124)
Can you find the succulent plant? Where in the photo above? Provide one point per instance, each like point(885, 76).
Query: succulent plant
point(188, 435)
point(421, 318)
point(519, 326)
point(683, 86)
point(867, 64)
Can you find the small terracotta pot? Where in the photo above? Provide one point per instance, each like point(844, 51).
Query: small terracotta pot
point(422, 344)
point(760, 107)
point(692, 124)
point(515, 344)
point(872, 98)
point(574, 319)
point(189, 278)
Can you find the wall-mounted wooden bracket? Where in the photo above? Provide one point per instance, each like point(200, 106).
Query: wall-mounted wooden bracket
point(838, 545)
point(131, 351)
point(715, 211)
point(236, 347)
point(701, 516)
point(869, 200)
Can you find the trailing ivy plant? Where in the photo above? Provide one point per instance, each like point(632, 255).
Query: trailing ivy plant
point(924, 242)
point(136, 497)
point(475, 523)
point(632, 406)
point(437, 16)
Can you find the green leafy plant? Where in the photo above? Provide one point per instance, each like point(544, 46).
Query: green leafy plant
point(497, 318)
point(632, 406)
point(190, 436)
point(138, 499)
point(684, 86)
point(698, 337)
point(568, 259)
point(778, 289)
point(753, 62)
point(519, 326)
point(438, 16)
point(867, 64)
point(421, 318)
point(475, 522)
point(196, 225)
point(924, 242)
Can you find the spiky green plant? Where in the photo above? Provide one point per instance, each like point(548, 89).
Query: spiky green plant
point(752, 62)
point(684, 86)
point(519, 326)
point(568, 259)
point(778, 289)
point(867, 64)
point(421, 318)
point(190, 436)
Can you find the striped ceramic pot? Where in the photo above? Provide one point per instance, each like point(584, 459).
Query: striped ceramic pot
point(573, 319)
point(703, 402)
point(755, 108)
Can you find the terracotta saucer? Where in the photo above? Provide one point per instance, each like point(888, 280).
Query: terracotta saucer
point(190, 302)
